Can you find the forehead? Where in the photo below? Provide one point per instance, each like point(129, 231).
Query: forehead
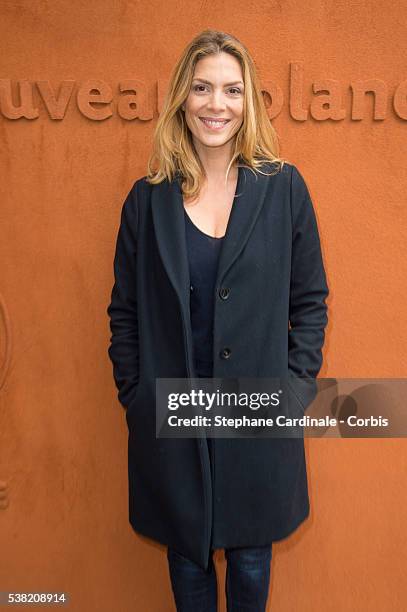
point(219, 67)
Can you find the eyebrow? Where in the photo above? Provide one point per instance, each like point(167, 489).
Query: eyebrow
point(226, 84)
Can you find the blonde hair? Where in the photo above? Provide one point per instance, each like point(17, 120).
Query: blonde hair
point(256, 141)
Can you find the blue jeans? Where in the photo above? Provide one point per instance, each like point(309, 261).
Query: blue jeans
point(247, 581)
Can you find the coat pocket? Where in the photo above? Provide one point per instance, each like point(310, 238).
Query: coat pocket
point(303, 389)
point(132, 404)
point(295, 406)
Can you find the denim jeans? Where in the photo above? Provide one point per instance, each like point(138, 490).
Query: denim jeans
point(247, 581)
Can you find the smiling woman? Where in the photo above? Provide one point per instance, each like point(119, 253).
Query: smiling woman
point(244, 297)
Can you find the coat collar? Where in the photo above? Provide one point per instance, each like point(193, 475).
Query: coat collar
point(169, 226)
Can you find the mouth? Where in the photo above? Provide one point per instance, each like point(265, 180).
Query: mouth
point(215, 125)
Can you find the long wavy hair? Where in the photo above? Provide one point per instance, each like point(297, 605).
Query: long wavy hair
point(173, 152)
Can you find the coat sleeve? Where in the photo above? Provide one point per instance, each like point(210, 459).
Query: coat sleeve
point(122, 310)
point(308, 292)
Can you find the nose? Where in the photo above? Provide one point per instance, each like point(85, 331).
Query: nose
point(216, 101)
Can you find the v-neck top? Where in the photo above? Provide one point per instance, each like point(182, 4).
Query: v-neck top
point(203, 256)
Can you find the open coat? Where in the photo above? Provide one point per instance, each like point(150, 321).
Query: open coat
point(270, 316)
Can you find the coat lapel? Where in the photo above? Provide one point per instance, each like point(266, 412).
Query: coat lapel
point(169, 226)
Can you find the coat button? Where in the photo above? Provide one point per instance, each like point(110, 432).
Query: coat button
point(225, 353)
point(224, 293)
point(191, 288)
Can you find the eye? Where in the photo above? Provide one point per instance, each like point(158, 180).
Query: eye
point(236, 91)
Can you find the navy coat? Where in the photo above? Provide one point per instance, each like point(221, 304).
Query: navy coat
point(272, 325)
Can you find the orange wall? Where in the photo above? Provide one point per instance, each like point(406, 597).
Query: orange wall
point(64, 175)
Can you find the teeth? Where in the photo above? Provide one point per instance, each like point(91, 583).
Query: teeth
point(214, 123)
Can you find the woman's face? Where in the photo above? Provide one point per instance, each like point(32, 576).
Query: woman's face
point(217, 92)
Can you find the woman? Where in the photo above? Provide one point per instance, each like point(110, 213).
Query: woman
point(218, 273)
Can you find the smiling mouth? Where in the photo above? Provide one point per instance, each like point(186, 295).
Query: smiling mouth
point(214, 124)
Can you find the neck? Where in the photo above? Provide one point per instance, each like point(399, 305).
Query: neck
point(215, 161)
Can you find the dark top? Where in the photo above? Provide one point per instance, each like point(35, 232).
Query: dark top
point(203, 255)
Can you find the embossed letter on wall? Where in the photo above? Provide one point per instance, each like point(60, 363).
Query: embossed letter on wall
point(96, 100)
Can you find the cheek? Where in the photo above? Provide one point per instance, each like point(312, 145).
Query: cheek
point(239, 111)
point(193, 119)
point(192, 105)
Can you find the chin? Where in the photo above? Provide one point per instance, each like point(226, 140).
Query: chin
point(212, 142)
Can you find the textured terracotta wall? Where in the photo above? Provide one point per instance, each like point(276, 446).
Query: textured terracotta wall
point(65, 169)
